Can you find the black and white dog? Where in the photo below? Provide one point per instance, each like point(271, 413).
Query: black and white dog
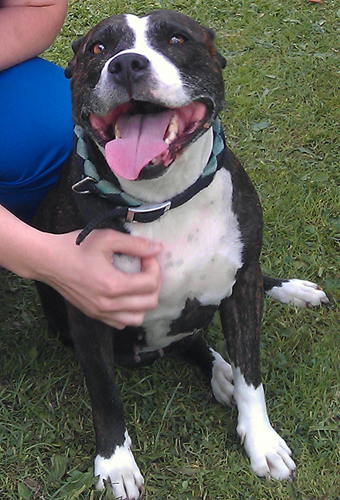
point(150, 159)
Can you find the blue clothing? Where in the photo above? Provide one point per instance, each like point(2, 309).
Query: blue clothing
point(36, 133)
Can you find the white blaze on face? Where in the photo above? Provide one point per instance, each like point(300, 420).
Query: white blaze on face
point(165, 82)
point(165, 75)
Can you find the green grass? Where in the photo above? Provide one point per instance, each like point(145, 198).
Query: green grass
point(282, 119)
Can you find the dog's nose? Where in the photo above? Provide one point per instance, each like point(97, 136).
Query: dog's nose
point(128, 67)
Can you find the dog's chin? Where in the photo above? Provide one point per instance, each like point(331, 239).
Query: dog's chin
point(140, 140)
point(152, 171)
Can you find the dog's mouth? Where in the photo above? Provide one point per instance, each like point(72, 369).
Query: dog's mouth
point(139, 134)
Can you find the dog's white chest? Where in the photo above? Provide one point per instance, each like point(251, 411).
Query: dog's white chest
point(202, 249)
point(202, 253)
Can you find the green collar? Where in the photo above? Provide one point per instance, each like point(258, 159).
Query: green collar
point(91, 183)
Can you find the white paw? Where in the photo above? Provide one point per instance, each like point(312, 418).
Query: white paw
point(121, 472)
point(299, 293)
point(222, 380)
point(269, 454)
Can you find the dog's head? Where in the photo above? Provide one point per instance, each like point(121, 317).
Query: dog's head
point(144, 88)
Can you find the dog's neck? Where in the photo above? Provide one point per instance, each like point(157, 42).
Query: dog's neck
point(192, 171)
point(181, 174)
point(202, 168)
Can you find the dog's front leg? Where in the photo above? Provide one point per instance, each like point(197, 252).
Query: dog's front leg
point(241, 316)
point(114, 461)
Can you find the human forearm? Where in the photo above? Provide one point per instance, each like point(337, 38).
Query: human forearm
point(27, 30)
point(21, 246)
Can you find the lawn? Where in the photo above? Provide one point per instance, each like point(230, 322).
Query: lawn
point(282, 119)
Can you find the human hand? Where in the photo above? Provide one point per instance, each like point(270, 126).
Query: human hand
point(85, 275)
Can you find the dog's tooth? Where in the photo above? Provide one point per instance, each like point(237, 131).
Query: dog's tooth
point(117, 132)
point(172, 130)
point(173, 125)
point(171, 137)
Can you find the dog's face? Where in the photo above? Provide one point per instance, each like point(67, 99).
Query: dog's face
point(145, 88)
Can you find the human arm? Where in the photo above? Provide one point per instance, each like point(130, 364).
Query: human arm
point(28, 27)
point(85, 274)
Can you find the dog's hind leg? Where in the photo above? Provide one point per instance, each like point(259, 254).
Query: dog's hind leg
point(195, 350)
point(296, 292)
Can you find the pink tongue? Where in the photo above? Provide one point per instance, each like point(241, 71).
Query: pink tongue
point(141, 141)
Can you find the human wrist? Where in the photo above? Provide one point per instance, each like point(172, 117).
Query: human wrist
point(23, 250)
point(41, 257)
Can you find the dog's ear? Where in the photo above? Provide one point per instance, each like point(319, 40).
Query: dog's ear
point(222, 60)
point(69, 70)
point(211, 35)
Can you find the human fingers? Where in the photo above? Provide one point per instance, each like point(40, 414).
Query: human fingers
point(117, 312)
point(131, 303)
point(151, 267)
point(90, 281)
point(123, 319)
point(145, 282)
point(127, 307)
point(117, 242)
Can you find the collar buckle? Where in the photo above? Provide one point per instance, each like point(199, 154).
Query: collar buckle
point(84, 185)
point(147, 212)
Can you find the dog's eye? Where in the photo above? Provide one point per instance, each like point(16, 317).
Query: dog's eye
point(177, 39)
point(97, 48)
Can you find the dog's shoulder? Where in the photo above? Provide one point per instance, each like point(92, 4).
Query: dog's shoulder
point(245, 201)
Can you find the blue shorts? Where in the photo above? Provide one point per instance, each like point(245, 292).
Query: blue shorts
point(36, 131)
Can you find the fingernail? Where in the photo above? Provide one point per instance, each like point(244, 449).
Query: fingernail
point(156, 246)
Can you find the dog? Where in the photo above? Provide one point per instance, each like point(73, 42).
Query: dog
point(150, 159)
